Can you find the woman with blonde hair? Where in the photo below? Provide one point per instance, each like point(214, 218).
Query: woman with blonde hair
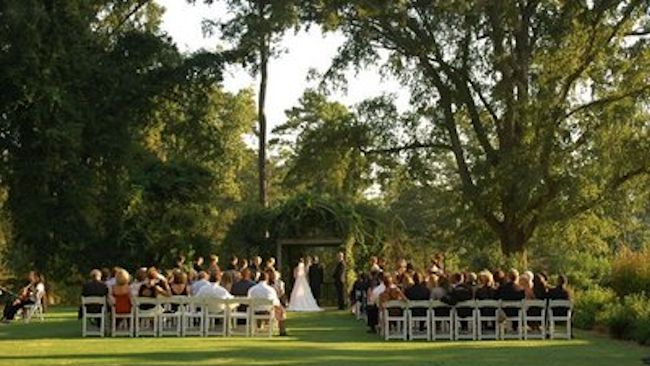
point(526, 284)
point(485, 290)
point(120, 295)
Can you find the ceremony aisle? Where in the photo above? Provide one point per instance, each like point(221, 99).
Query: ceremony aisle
point(315, 339)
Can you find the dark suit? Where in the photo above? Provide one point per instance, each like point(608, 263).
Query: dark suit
point(418, 292)
point(93, 288)
point(240, 288)
point(559, 293)
point(339, 281)
point(316, 280)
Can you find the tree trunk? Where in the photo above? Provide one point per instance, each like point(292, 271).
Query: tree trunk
point(262, 174)
point(513, 244)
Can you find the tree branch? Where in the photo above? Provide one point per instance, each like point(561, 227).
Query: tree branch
point(412, 146)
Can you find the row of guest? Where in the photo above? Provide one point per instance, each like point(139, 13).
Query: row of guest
point(382, 287)
point(151, 284)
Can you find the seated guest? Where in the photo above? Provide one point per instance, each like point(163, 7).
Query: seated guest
point(359, 287)
point(526, 284)
point(120, 296)
point(560, 292)
point(94, 287)
point(214, 291)
point(241, 287)
point(140, 278)
point(485, 290)
point(180, 263)
point(510, 290)
point(440, 287)
point(417, 289)
point(391, 293)
point(499, 278)
point(28, 295)
point(274, 281)
point(110, 282)
point(263, 290)
point(375, 290)
point(232, 266)
point(540, 288)
point(459, 290)
point(155, 285)
point(374, 264)
point(227, 279)
point(243, 264)
point(214, 263)
point(256, 267)
point(202, 280)
point(198, 264)
point(179, 286)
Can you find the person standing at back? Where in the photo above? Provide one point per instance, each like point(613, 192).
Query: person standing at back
point(316, 278)
point(339, 280)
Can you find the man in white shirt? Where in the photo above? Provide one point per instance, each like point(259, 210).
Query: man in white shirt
point(265, 291)
point(214, 291)
point(201, 282)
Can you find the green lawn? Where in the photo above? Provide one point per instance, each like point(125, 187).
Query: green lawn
point(330, 338)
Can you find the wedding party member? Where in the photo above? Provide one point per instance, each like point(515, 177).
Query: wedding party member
point(232, 266)
point(301, 297)
point(316, 278)
point(214, 263)
point(374, 264)
point(256, 268)
point(263, 290)
point(27, 296)
point(339, 280)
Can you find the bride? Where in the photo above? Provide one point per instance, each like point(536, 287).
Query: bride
point(301, 296)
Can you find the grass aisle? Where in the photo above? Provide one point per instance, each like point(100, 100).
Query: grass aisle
point(330, 338)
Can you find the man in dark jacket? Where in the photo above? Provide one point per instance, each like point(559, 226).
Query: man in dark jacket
point(316, 278)
point(339, 280)
point(94, 287)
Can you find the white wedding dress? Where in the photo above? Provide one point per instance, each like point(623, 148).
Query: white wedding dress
point(301, 297)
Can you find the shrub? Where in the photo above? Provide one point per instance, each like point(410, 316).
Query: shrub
point(629, 319)
point(630, 272)
point(589, 304)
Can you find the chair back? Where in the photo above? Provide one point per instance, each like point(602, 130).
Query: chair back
point(487, 304)
point(137, 301)
point(512, 304)
point(93, 300)
point(262, 305)
point(534, 304)
point(419, 304)
point(397, 304)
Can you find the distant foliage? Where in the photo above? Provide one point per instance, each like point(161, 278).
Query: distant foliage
point(589, 304)
point(629, 319)
point(631, 272)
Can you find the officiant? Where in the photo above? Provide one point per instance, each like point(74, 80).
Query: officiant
point(316, 278)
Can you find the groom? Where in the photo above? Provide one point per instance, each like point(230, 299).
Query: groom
point(339, 280)
point(316, 278)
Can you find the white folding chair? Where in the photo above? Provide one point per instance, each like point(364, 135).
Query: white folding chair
point(418, 315)
point(534, 319)
point(87, 329)
point(465, 320)
point(442, 321)
point(239, 317)
point(146, 320)
point(170, 320)
point(35, 309)
point(511, 325)
point(216, 317)
point(193, 317)
point(262, 312)
point(487, 319)
point(396, 321)
point(560, 311)
point(118, 321)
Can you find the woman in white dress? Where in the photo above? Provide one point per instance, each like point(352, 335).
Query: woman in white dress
point(301, 297)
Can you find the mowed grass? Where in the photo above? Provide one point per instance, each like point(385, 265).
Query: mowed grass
point(329, 338)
